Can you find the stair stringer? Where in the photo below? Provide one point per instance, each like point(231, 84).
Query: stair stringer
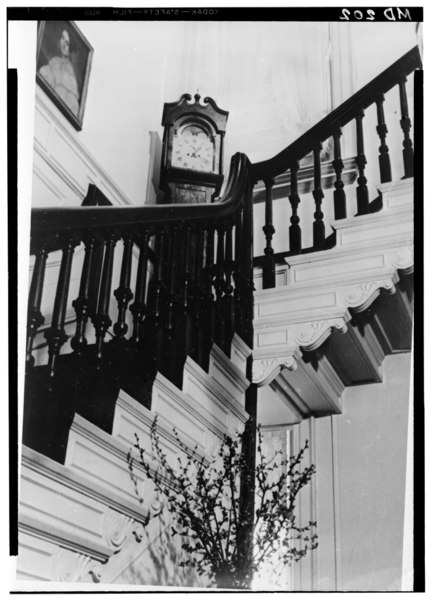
point(337, 291)
point(99, 526)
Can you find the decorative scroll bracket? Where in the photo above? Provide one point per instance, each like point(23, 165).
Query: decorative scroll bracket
point(266, 369)
point(71, 566)
point(360, 297)
point(309, 336)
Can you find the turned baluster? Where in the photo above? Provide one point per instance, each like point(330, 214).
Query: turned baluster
point(56, 335)
point(382, 130)
point(238, 275)
point(228, 290)
point(173, 266)
point(219, 285)
point(294, 229)
point(318, 225)
point(405, 124)
point(208, 312)
point(361, 161)
point(198, 291)
point(339, 193)
point(123, 293)
point(166, 343)
point(160, 257)
point(246, 267)
point(101, 319)
point(269, 230)
point(210, 267)
point(34, 316)
point(183, 335)
point(138, 308)
point(186, 285)
point(158, 286)
point(81, 304)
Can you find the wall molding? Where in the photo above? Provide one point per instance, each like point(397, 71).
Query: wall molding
point(325, 289)
point(53, 125)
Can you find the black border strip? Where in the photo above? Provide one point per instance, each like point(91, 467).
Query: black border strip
point(233, 14)
point(12, 145)
point(418, 350)
point(313, 13)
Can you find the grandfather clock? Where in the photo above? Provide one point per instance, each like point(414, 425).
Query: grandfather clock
point(192, 151)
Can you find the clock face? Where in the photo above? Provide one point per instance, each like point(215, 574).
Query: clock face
point(193, 149)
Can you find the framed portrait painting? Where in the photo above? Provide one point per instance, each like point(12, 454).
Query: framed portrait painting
point(63, 63)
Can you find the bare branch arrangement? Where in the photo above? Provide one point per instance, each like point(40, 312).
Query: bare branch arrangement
point(204, 499)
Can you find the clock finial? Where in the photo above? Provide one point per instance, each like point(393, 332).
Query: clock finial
point(197, 96)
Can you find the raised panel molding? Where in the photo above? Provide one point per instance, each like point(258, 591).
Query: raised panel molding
point(69, 525)
point(324, 289)
point(86, 520)
point(53, 135)
point(272, 338)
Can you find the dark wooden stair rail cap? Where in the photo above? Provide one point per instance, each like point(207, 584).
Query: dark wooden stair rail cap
point(69, 218)
point(339, 117)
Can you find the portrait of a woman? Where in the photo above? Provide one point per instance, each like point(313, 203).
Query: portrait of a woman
point(60, 74)
point(63, 66)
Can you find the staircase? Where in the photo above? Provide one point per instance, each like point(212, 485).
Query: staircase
point(350, 306)
point(185, 337)
point(85, 521)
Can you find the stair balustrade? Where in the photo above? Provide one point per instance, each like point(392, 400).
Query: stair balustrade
point(330, 128)
point(193, 288)
point(190, 284)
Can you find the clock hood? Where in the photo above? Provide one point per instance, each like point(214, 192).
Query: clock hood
point(185, 107)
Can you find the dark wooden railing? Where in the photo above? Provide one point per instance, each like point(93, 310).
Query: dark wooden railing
point(191, 283)
point(197, 290)
point(311, 142)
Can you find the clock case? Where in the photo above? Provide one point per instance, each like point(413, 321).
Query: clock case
point(186, 185)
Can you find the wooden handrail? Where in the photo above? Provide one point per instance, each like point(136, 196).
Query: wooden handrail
point(339, 117)
point(178, 286)
point(60, 220)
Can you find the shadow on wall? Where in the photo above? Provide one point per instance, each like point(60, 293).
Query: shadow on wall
point(159, 564)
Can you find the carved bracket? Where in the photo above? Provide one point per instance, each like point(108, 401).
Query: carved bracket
point(266, 369)
point(361, 296)
point(118, 527)
point(311, 335)
point(403, 260)
point(71, 566)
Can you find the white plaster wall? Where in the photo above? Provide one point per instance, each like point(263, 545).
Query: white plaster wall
point(361, 463)
point(247, 67)
point(373, 47)
point(377, 45)
point(254, 70)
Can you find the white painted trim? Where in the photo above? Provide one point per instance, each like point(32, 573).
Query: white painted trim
point(73, 480)
point(47, 110)
point(233, 373)
point(51, 534)
point(336, 502)
point(240, 353)
point(407, 573)
point(216, 389)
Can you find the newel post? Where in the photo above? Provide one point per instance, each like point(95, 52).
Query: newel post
point(246, 531)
